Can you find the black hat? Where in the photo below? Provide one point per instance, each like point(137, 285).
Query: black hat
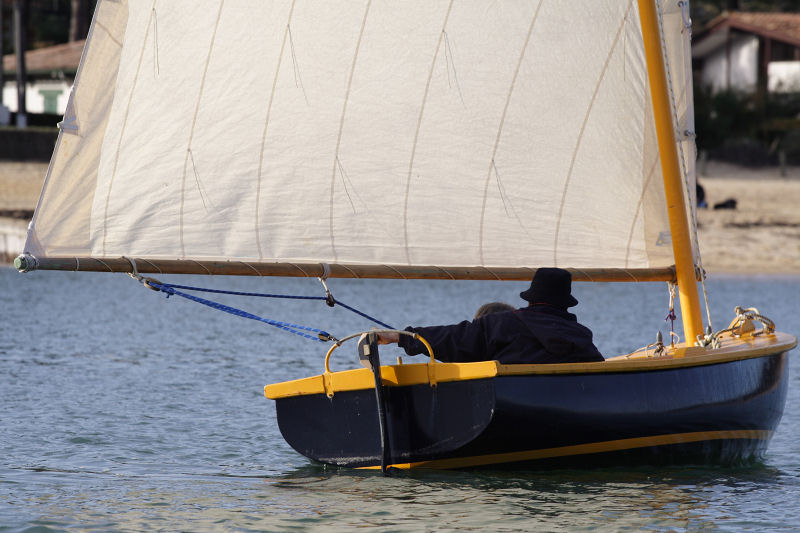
point(550, 286)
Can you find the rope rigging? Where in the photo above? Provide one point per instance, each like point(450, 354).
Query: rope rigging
point(304, 331)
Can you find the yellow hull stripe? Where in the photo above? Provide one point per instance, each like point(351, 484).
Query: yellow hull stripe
point(583, 449)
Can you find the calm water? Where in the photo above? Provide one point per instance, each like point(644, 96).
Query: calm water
point(125, 411)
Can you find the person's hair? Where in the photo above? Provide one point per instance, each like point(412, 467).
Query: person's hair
point(492, 307)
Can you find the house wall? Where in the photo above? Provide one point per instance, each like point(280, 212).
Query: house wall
point(41, 96)
point(743, 66)
point(783, 76)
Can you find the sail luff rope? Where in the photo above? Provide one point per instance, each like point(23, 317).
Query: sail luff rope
point(690, 135)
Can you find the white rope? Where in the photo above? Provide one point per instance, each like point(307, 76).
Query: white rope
point(690, 135)
point(736, 328)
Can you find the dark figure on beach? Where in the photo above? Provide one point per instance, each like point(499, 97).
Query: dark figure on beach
point(700, 195)
point(542, 332)
point(730, 203)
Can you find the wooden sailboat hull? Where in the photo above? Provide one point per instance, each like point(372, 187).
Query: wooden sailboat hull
point(724, 411)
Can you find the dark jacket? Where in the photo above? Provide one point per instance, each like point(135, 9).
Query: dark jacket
point(536, 334)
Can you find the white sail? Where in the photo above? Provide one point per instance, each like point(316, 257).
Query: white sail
point(435, 132)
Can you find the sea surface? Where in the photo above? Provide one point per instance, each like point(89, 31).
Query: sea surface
point(122, 410)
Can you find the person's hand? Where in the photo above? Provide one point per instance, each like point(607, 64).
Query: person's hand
point(388, 337)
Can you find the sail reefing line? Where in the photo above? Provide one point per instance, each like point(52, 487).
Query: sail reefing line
point(492, 164)
point(582, 130)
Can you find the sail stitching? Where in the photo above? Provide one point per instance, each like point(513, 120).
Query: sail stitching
point(364, 205)
point(442, 35)
point(345, 181)
point(122, 129)
point(500, 132)
point(639, 209)
point(156, 65)
point(266, 127)
point(298, 79)
point(582, 130)
point(194, 123)
point(451, 63)
point(200, 188)
point(341, 124)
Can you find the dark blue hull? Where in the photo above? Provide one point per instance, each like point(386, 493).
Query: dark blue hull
point(724, 412)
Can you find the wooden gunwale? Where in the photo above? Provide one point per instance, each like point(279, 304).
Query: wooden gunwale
point(733, 349)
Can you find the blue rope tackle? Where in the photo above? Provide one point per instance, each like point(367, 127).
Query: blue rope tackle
point(322, 336)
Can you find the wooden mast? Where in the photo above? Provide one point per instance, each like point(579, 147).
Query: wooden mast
point(676, 206)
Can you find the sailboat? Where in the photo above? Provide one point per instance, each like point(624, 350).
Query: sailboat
point(426, 139)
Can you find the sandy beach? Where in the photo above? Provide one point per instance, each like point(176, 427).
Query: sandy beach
point(760, 236)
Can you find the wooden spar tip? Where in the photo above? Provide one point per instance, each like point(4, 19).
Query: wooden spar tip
point(26, 263)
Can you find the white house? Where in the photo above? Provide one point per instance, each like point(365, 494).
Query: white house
point(50, 73)
point(749, 52)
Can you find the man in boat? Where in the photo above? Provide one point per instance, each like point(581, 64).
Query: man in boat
point(493, 307)
point(542, 332)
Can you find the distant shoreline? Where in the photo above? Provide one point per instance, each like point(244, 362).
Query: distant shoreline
point(761, 236)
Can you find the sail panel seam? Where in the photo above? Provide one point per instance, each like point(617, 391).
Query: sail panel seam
point(419, 126)
point(124, 125)
point(500, 132)
point(582, 130)
point(639, 210)
point(264, 134)
point(194, 123)
point(336, 162)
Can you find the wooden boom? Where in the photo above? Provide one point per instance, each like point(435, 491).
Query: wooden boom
point(26, 263)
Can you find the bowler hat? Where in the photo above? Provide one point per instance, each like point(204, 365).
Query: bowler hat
point(550, 286)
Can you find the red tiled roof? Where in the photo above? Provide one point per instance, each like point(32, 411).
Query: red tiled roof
point(779, 26)
point(59, 57)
